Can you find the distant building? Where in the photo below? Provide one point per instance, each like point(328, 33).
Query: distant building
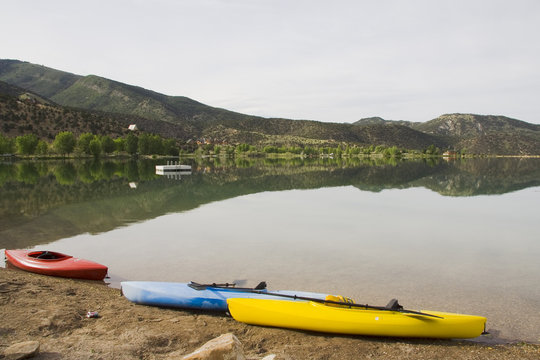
point(449, 153)
point(133, 127)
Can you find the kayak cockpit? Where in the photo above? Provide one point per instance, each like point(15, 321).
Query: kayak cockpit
point(47, 255)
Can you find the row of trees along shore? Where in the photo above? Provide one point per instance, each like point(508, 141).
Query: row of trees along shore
point(87, 144)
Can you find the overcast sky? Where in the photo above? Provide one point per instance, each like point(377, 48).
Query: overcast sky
point(334, 60)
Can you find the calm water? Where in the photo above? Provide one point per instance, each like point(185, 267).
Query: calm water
point(453, 236)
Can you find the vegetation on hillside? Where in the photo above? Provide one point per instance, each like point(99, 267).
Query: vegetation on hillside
point(377, 120)
point(486, 134)
point(476, 134)
point(23, 113)
point(87, 144)
point(36, 78)
point(101, 106)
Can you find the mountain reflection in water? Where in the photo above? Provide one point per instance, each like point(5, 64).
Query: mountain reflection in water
point(42, 201)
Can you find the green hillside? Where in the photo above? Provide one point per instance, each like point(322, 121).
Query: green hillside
point(8, 90)
point(97, 93)
point(23, 112)
point(183, 118)
point(37, 78)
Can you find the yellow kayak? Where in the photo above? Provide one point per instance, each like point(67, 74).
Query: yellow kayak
point(316, 316)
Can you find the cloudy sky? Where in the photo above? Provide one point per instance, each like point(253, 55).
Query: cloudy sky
point(334, 60)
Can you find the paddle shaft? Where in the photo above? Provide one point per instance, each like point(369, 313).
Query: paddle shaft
point(351, 305)
point(322, 301)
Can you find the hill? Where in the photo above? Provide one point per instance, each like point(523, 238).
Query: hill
point(37, 78)
point(184, 118)
point(479, 134)
point(376, 120)
point(470, 125)
point(24, 112)
point(7, 90)
point(488, 134)
point(96, 93)
point(191, 119)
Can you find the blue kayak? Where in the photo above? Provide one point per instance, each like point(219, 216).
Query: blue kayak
point(197, 296)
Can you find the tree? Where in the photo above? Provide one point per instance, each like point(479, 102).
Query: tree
point(83, 145)
point(310, 151)
point(6, 145)
point(295, 150)
point(144, 144)
point(42, 148)
point(132, 144)
point(107, 144)
point(64, 142)
point(95, 147)
point(392, 152)
point(155, 145)
point(120, 144)
point(368, 150)
point(242, 148)
point(432, 150)
point(270, 149)
point(339, 151)
point(26, 144)
point(169, 147)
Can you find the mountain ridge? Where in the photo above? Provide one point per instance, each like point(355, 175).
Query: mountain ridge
point(190, 119)
point(377, 120)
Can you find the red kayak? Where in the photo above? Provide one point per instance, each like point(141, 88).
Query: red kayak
point(56, 264)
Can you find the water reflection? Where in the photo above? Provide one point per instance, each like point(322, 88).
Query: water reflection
point(42, 201)
point(367, 228)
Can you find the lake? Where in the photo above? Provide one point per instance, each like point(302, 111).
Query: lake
point(458, 236)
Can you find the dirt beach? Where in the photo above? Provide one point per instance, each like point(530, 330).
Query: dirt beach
point(53, 311)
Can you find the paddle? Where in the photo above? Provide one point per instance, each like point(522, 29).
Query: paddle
point(393, 305)
point(197, 286)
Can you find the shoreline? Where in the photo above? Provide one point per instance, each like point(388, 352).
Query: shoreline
point(52, 311)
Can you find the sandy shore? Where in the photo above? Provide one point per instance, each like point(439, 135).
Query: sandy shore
point(52, 311)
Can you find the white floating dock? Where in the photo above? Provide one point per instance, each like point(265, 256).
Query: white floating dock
point(172, 167)
point(177, 174)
